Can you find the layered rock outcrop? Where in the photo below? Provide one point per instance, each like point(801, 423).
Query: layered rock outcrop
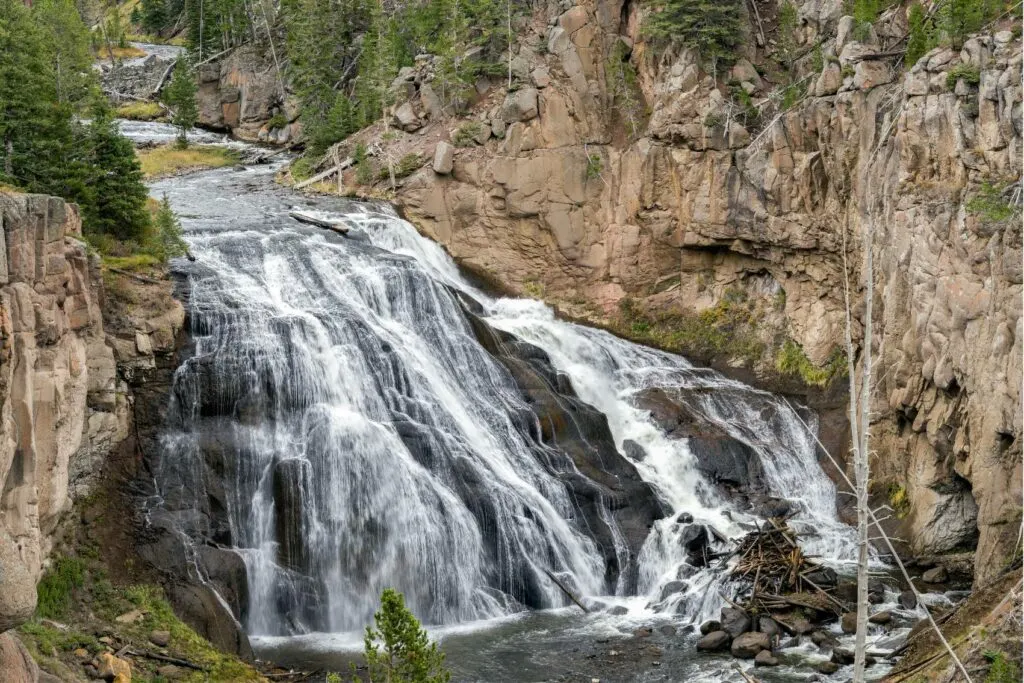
point(59, 406)
point(65, 400)
point(242, 92)
point(668, 192)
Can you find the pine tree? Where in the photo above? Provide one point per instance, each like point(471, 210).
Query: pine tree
point(35, 127)
point(713, 27)
point(921, 36)
point(114, 202)
point(398, 649)
point(168, 232)
point(180, 98)
point(153, 16)
point(71, 53)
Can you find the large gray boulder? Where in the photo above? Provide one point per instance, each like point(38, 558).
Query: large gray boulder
point(520, 105)
point(444, 158)
point(747, 645)
point(406, 119)
point(713, 642)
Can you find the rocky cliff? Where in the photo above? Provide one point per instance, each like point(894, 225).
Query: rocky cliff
point(710, 210)
point(65, 404)
point(242, 93)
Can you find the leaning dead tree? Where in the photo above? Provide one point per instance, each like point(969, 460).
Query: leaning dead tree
point(860, 429)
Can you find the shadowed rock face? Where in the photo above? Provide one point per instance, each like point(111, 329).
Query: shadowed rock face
point(596, 473)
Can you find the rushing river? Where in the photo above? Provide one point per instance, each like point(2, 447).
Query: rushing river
point(361, 437)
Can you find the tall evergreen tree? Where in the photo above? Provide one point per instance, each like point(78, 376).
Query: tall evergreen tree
point(180, 98)
point(35, 127)
point(713, 27)
point(114, 199)
point(168, 232)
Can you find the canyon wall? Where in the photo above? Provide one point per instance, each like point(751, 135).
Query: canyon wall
point(65, 402)
point(650, 196)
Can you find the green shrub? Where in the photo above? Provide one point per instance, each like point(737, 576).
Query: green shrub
point(398, 649)
point(968, 73)
point(898, 500)
point(714, 29)
point(408, 165)
point(1001, 669)
point(301, 169)
point(277, 121)
point(594, 165)
point(990, 205)
point(466, 134)
point(791, 360)
point(54, 590)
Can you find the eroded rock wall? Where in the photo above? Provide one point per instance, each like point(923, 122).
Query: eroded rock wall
point(241, 92)
point(59, 405)
point(683, 201)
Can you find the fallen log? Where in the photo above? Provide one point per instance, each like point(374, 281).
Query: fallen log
point(160, 83)
point(164, 658)
point(565, 590)
point(348, 161)
point(326, 225)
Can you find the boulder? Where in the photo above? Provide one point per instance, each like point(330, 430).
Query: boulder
point(405, 118)
point(826, 667)
point(444, 158)
point(823, 639)
point(842, 656)
point(747, 645)
point(709, 626)
point(908, 599)
point(765, 658)
point(849, 622)
point(767, 625)
point(16, 663)
point(541, 77)
point(671, 588)
point(735, 621)
point(713, 642)
point(936, 575)
point(881, 618)
point(520, 105)
point(160, 638)
point(114, 668)
point(802, 626)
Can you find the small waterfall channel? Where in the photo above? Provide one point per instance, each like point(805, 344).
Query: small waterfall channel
point(353, 414)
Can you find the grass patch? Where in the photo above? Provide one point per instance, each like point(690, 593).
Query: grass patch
point(1002, 669)
point(405, 167)
point(96, 605)
point(140, 111)
point(126, 52)
point(171, 159)
point(965, 72)
point(466, 134)
point(727, 329)
point(55, 588)
point(791, 360)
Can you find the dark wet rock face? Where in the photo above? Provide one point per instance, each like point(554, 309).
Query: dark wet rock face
point(581, 434)
point(723, 460)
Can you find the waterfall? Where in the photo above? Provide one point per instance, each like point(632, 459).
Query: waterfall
point(341, 423)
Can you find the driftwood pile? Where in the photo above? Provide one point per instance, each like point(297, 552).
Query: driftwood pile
point(781, 577)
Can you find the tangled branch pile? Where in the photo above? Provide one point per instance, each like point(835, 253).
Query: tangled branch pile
point(781, 576)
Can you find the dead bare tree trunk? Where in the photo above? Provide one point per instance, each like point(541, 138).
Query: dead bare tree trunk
point(860, 428)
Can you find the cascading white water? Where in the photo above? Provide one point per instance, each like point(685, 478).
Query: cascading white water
point(340, 409)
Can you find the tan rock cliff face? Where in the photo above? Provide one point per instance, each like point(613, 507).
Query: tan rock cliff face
point(699, 204)
point(240, 93)
point(58, 398)
point(64, 402)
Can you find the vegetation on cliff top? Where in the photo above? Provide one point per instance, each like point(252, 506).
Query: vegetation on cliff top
point(46, 85)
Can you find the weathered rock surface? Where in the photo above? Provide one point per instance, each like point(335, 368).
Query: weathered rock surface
point(59, 409)
point(683, 215)
point(16, 663)
point(748, 645)
point(241, 92)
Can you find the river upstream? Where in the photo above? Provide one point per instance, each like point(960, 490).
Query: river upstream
point(364, 437)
